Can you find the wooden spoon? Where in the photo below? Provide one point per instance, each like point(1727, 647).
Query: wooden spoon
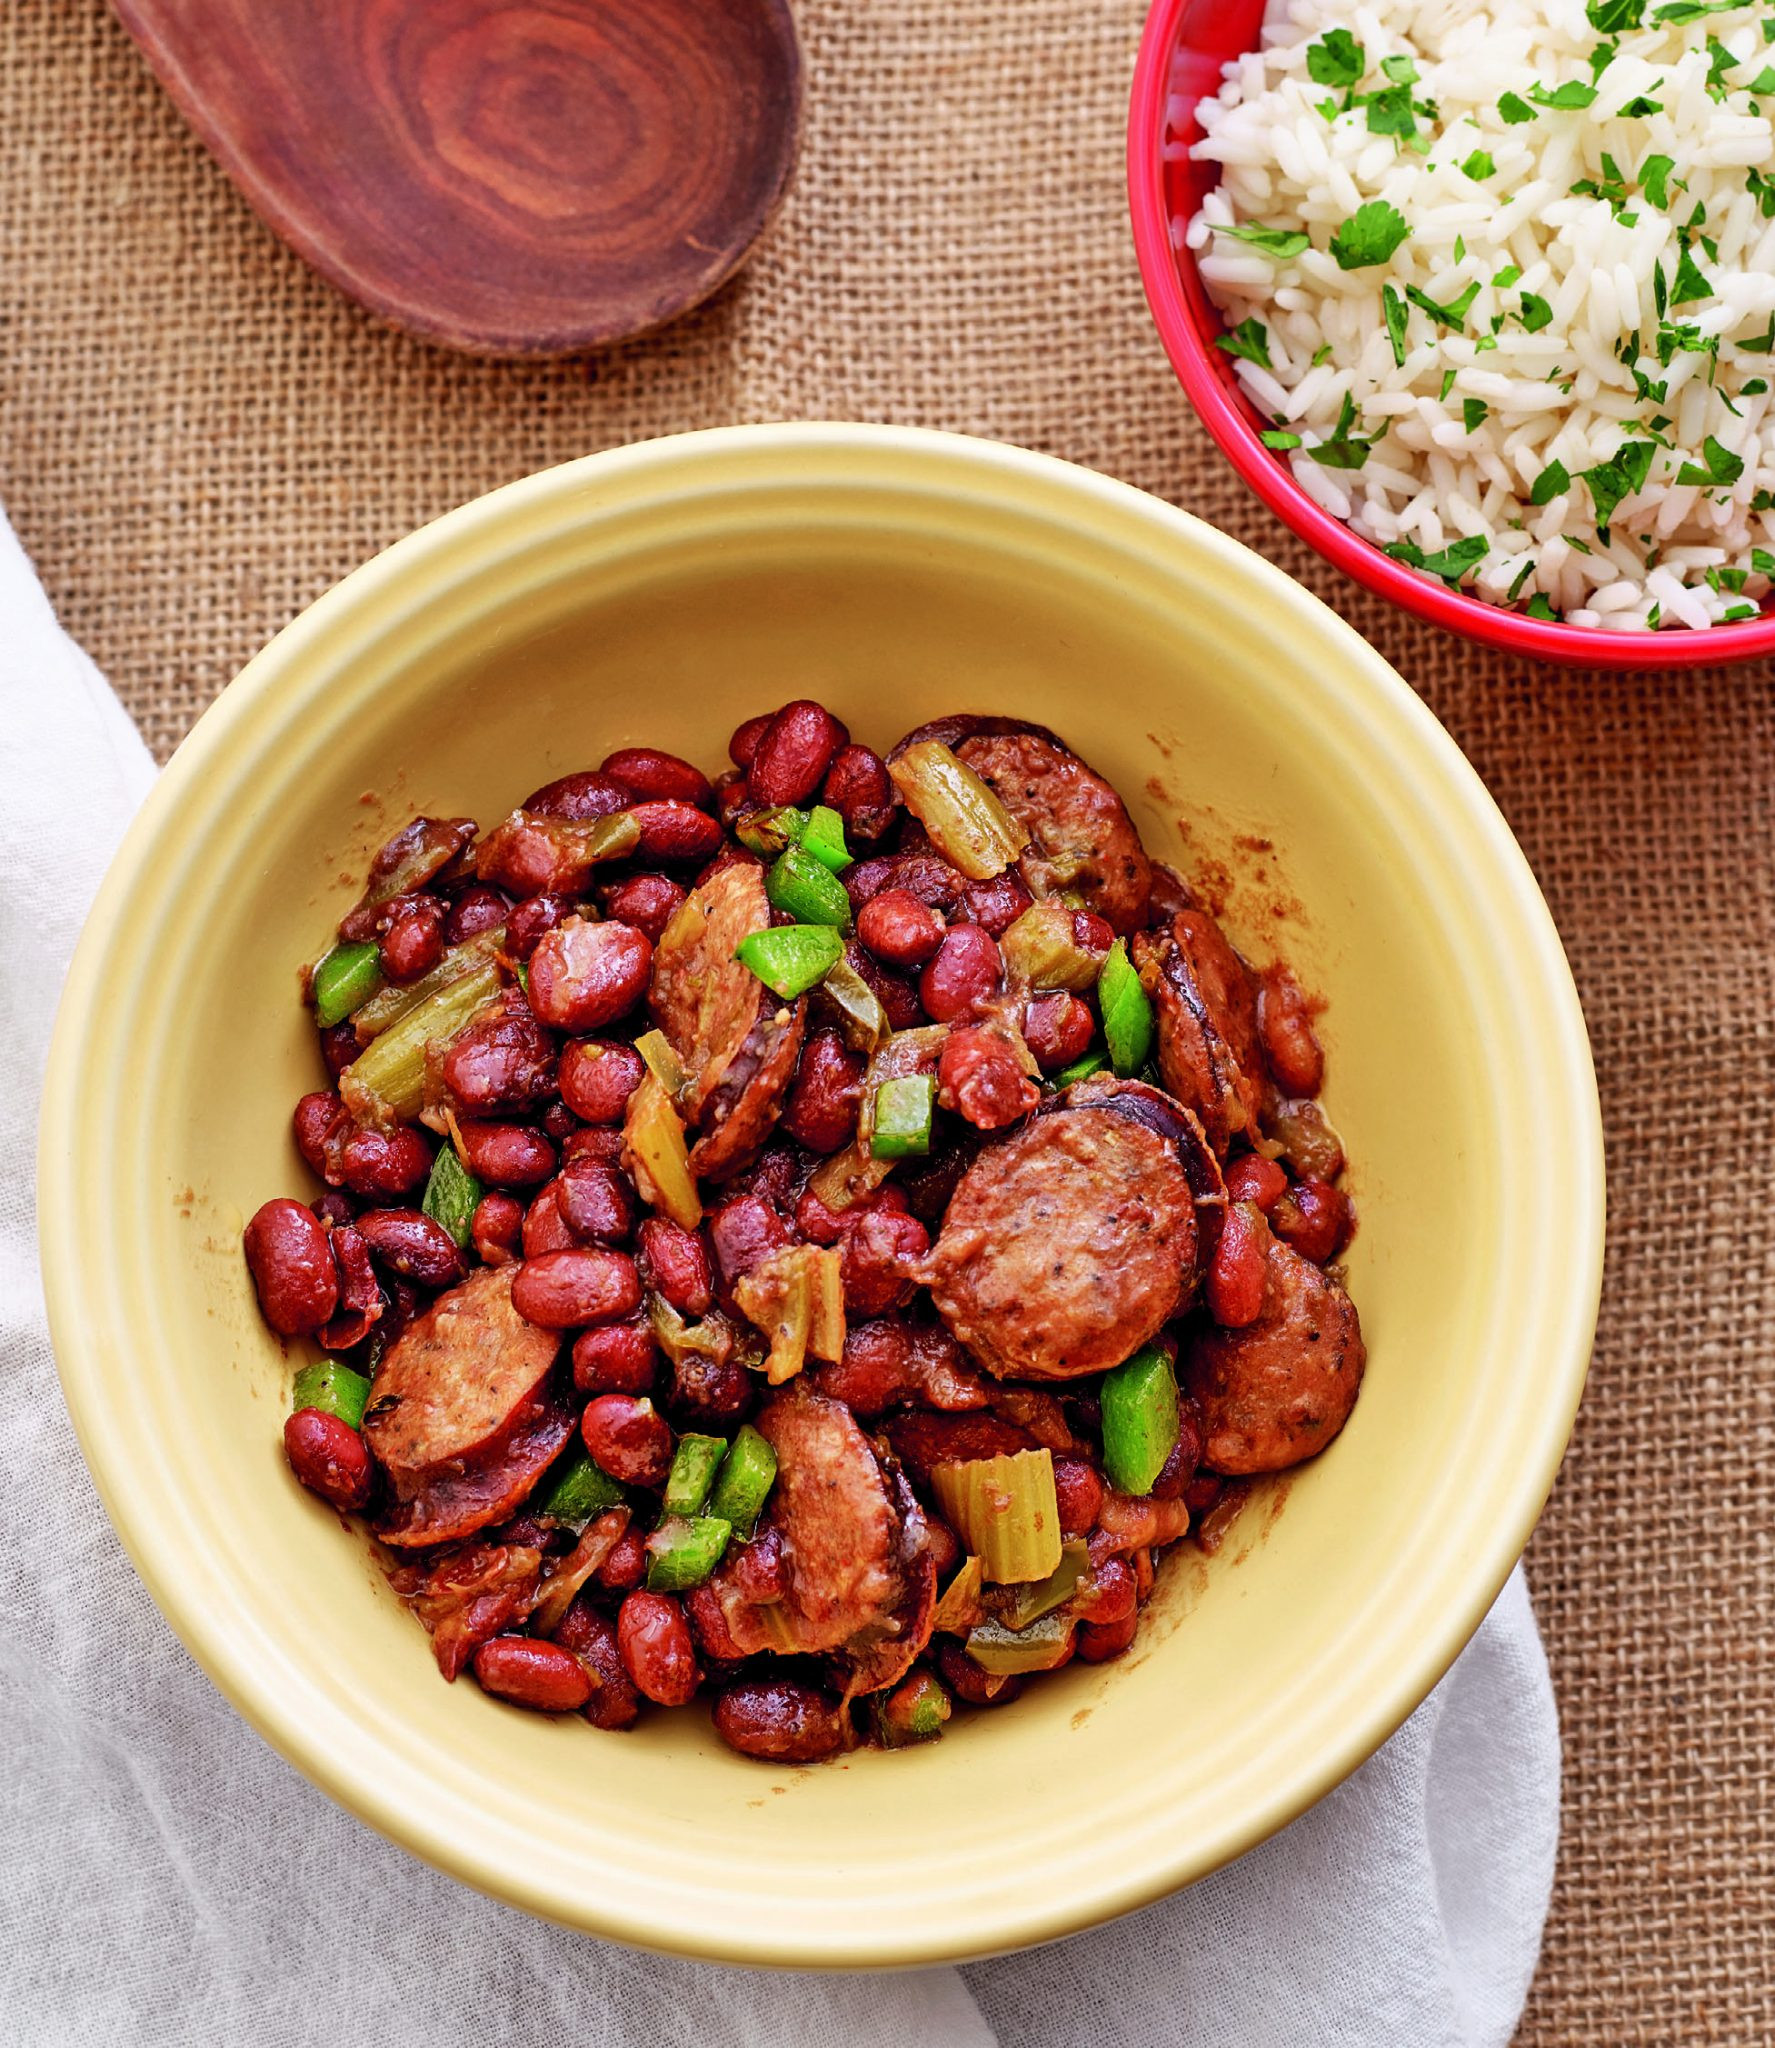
point(510, 177)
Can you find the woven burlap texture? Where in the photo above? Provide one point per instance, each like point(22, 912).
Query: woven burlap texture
point(197, 437)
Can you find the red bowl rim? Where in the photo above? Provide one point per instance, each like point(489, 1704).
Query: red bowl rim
point(1269, 476)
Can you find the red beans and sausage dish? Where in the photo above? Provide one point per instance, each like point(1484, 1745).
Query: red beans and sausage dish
point(815, 1235)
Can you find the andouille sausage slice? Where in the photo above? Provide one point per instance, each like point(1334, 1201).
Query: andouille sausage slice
point(1280, 1389)
point(1065, 1248)
point(1206, 1000)
point(469, 1595)
point(737, 1042)
point(455, 1500)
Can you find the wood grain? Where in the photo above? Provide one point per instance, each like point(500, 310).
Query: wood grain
point(507, 177)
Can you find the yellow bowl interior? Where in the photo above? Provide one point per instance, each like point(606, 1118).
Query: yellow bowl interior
point(660, 595)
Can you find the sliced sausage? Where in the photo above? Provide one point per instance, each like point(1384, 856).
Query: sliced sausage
point(737, 1042)
point(1065, 1248)
point(455, 1500)
point(1281, 1388)
point(1081, 837)
point(469, 1595)
point(1206, 1001)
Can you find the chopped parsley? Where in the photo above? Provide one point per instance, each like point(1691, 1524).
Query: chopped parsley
point(1322, 355)
point(1654, 177)
point(1539, 608)
point(1281, 243)
point(1764, 188)
point(1536, 313)
point(1473, 412)
point(1342, 451)
point(1677, 11)
point(1452, 315)
point(1479, 165)
point(1448, 384)
point(1249, 339)
point(1723, 467)
point(1639, 109)
point(1393, 309)
point(1515, 110)
point(1522, 576)
point(1553, 482)
point(1762, 561)
point(1623, 475)
point(1507, 276)
point(1401, 70)
point(1451, 564)
point(1339, 60)
point(1610, 17)
point(1279, 438)
point(1370, 235)
point(1734, 614)
point(1564, 99)
point(1691, 282)
point(1754, 387)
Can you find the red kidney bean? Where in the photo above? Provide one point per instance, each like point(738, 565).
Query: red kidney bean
point(780, 1719)
point(965, 972)
point(657, 1653)
point(878, 1248)
point(710, 1632)
point(741, 1232)
point(945, 1547)
point(590, 1635)
point(921, 873)
point(776, 1178)
point(629, 1437)
point(675, 1264)
point(584, 975)
point(1257, 1180)
point(1202, 1492)
point(744, 744)
point(794, 752)
point(559, 1123)
point(411, 1244)
point(1108, 1594)
point(567, 1290)
point(329, 1457)
point(527, 922)
point(503, 1063)
point(291, 1261)
point(497, 1229)
point(761, 1568)
point(1057, 1029)
point(1078, 1490)
point(646, 772)
point(1308, 1143)
point(900, 930)
point(733, 799)
point(595, 1202)
point(967, 1681)
point(320, 1125)
point(580, 796)
point(1315, 1218)
point(361, 1305)
point(626, 1565)
point(997, 904)
point(821, 1112)
point(648, 902)
point(1239, 1268)
point(859, 788)
point(413, 944)
point(674, 832)
point(981, 1078)
point(1096, 1644)
point(506, 1155)
point(384, 1165)
point(529, 1673)
point(815, 1222)
point(479, 909)
point(602, 1147)
point(597, 1077)
point(621, 1358)
point(339, 1046)
point(545, 1229)
point(334, 1208)
point(1285, 1025)
point(709, 1393)
point(897, 996)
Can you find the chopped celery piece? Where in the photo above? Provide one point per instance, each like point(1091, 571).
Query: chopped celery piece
point(663, 1061)
point(1087, 1064)
point(862, 1021)
point(1127, 1012)
point(1140, 1423)
point(385, 1084)
point(966, 822)
point(344, 981)
point(564, 1576)
point(452, 1195)
point(903, 1112)
point(397, 999)
point(654, 1151)
point(1005, 1511)
point(807, 890)
point(334, 1389)
point(692, 1473)
point(1006, 1651)
point(767, 833)
point(1040, 948)
point(795, 1295)
point(682, 1553)
point(823, 836)
point(743, 1484)
point(850, 1175)
point(577, 1489)
point(1018, 1608)
point(913, 1712)
point(959, 1609)
point(792, 958)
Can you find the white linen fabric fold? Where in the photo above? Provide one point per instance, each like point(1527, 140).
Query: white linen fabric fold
point(166, 1878)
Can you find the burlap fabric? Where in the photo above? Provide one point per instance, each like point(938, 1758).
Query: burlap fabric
point(197, 437)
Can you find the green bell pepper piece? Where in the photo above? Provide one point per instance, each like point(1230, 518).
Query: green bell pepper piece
point(1087, 1064)
point(577, 1489)
point(792, 958)
point(332, 1388)
point(344, 981)
point(743, 1484)
point(903, 1111)
point(1140, 1419)
point(767, 833)
point(807, 890)
point(823, 837)
point(682, 1553)
point(452, 1195)
point(692, 1473)
point(1127, 1011)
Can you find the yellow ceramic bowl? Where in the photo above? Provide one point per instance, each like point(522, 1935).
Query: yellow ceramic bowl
point(660, 594)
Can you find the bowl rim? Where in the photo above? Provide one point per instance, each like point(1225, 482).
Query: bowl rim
point(1266, 473)
point(1113, 514)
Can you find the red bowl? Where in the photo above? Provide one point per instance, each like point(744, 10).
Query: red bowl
point(1181, 54)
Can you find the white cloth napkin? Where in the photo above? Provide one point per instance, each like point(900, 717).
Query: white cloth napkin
point(167, 1879)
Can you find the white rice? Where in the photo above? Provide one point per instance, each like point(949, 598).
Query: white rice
point(1671, 554)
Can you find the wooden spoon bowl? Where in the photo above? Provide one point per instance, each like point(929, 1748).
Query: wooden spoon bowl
point(508, 177)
